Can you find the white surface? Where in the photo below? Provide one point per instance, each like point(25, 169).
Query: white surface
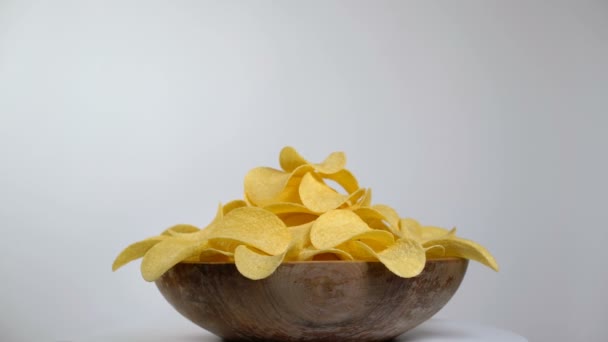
point(120, 118)
point(435, 330)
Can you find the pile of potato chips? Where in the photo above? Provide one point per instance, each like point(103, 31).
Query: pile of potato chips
point(294, 214)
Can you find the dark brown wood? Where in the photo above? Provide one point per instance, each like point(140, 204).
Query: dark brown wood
point(310, 301)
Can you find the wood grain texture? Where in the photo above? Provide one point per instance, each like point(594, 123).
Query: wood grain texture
point(310, 301)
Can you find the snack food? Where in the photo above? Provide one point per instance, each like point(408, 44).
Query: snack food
point(293, 214)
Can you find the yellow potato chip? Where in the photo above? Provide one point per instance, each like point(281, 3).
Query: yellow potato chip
point(290, 159)
point(345, 179)
point(265, 185)
point(254, 265)
point(287, 208)
point(358, 250)
point(136, 251)
point(405, 258)
point(336, 227)
point(377, 239)
point(254, 227)
point(180, 229)
point(166, 254)
point(354, 200)
point(313, 254)
point(228, 207)
point(224, 245)
point(376, 219)
point(428, 233)
point(210, 254)
point(409, 228)
point(366, 199)
point(300, 239)
point(332, 164)
point(317, 196)
point(297, 218)
point(300, 235)
point(461, 248)
point(390, 215)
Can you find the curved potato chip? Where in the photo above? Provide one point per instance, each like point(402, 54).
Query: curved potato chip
point(390, 215)
point(405, 258)
point(290, 159)
point(332, 164)
point(461, 248)
point(366, 199)
point(376, 219)
point(376, 238)
point(254, 265)
point(255, 227)
point(180, 229)
point(353, 200)
point(166, 254)
point(265, 185)
point(300, 235)
point(335, 227)
point(358, 250)
point(428, 233)
point(409, 228)
point(297, 219)
point(309, 254)
point(345, 178)
point(215, 255)
point(317, 196)
point(228, 207)
point(300, 239)
point(224, 245)
point(136, 251)
point(288, 208)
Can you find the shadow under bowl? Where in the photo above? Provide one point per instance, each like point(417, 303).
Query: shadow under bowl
point(310, 300)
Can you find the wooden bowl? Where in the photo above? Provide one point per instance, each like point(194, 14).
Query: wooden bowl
point(310, 301)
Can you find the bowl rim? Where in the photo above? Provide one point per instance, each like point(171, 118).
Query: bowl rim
point(318, 262)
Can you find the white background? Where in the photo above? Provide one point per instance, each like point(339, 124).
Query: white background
point(118, 119)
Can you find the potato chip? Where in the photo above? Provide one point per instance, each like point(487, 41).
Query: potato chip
point(265, 185)
point(354, 200)
point(297, 219)
point(224, 245)
point(288, 208)
point(376, 219)
point(180, 229)
point(345, 179)
point(317, 196)
point(338, 226)
point(409, 228)
point(254, 265)
point(214, 255)
point(366, 199)
point(461, 248)
point(358, 250)
point(254, 227)
point(300, 235)
point(136, 251)
point(377, 239)
point(310, 254)
point(390, 215)
point(405, 258)
point(166, 254)
point(290, 159)
point(428, 233)
point(300, 239)
point(228, 207)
